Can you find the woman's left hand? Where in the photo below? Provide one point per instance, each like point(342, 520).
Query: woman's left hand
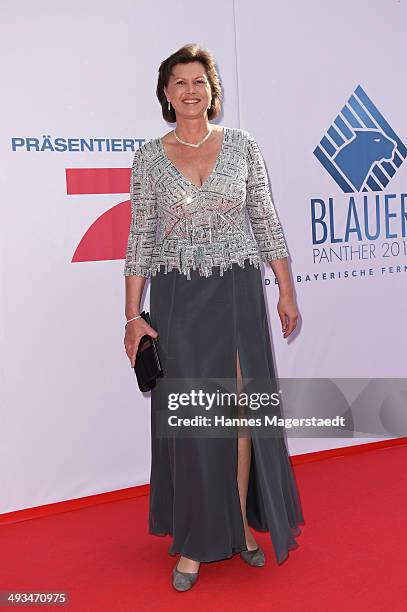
point(288, 313)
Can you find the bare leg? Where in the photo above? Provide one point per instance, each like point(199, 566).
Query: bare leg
point(243, 470)
point(188, 565)
point(244, 459)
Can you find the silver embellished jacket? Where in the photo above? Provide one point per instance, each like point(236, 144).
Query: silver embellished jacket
point(229, 218)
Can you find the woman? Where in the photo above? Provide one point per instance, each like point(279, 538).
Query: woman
point(202, 223)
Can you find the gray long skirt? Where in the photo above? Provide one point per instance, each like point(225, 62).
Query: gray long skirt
point(194, 497)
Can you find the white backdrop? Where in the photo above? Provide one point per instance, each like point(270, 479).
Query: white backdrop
point(73, 420)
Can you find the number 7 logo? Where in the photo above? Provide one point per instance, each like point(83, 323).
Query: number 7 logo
point(106, 239)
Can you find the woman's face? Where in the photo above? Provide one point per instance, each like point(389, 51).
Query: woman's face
point(189, 90)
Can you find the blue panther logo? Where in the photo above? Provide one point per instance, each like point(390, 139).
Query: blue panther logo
point(360, 150)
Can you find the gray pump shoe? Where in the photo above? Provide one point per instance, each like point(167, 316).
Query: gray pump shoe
point(255, 558)
point(183, 581)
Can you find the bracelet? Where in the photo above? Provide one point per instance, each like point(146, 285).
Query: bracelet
point(133, 319)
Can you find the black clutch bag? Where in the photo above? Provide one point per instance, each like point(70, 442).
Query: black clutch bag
point(148, 365)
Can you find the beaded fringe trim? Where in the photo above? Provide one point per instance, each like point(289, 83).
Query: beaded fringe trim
point(204, 270)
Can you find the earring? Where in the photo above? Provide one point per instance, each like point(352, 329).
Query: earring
point(169, 105)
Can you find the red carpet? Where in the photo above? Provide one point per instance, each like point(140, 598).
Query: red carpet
point(352, 551)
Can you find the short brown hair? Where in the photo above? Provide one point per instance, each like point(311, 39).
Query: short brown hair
point(185, 55)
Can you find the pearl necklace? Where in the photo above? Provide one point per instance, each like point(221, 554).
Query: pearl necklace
point(190, 144)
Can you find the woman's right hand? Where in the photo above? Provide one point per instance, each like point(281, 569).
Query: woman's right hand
point(135, 330)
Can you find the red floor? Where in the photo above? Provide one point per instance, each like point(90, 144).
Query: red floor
point(352, 552)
